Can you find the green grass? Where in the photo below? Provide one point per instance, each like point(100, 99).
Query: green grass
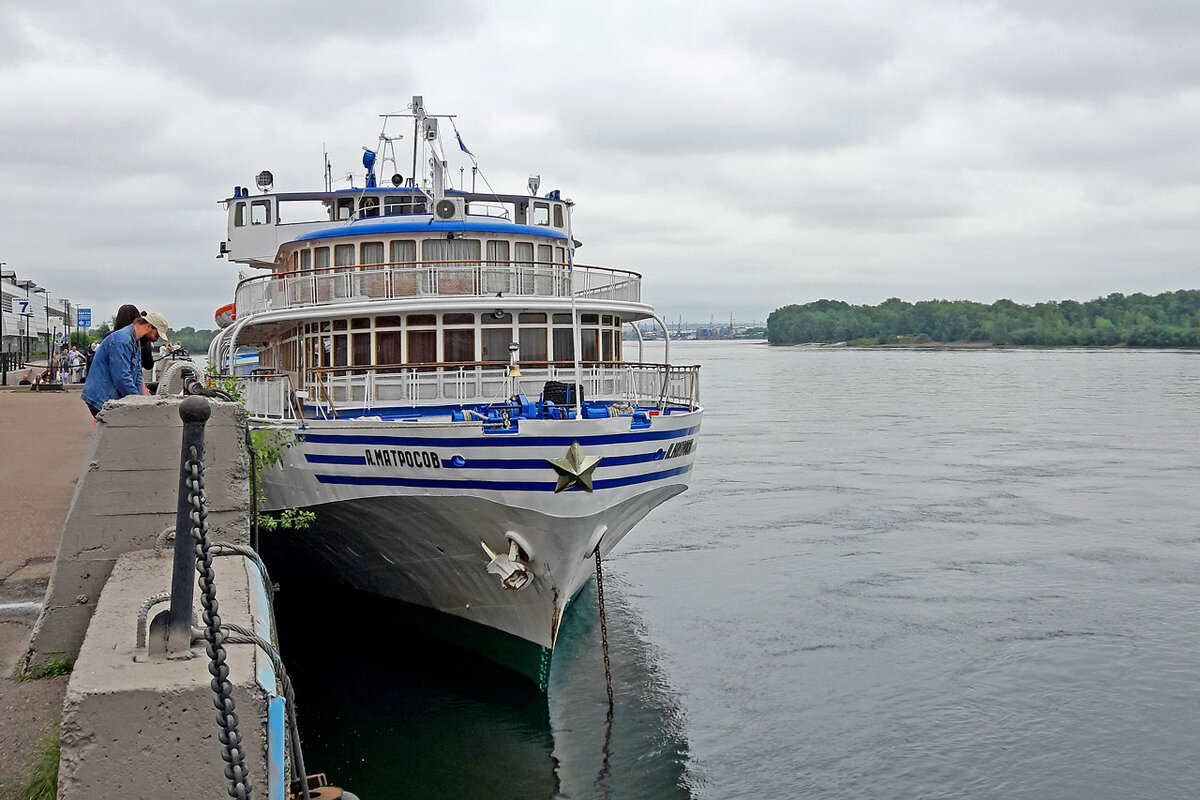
point(55, 669)
point(42, 783)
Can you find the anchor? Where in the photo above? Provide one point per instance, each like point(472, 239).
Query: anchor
point(513, 572)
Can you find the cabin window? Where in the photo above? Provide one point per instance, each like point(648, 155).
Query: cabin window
point(558, 215)
point(451, 250)
point(531, 316)
point(497, 252)
point(361, 343)
point(533, 344)
point(564, 344)
point(420, 320)
point(458, 345)
point(590, 319)
point(387, 347)
point(388, 321)
point(606, 338)
point(493, 344)
point(541, 213)
point(260, 212)
point(590, 343)
point(321, 258)
point(495, 277)
point(371, 253)
point(543, 253)
point(404, 251)
point(422, 347)
point(360, 323)
point(345, 207)
point(524, 259)
point(239, 215)
point(306, 260)
point(339, 324)
point(343, 255)
point(394, 205)
point(369, 207)
point(340, 351)
point(563, 338)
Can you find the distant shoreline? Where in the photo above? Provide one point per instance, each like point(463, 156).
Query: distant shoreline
point(970, 346)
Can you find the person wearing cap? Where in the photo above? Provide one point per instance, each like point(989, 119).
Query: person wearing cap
point(116, 369)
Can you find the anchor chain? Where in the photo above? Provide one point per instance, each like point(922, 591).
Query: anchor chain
point(603, 630)
point(231, 741)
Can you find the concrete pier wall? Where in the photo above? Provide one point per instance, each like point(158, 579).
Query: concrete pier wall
point(124, 499)
point(137, 727)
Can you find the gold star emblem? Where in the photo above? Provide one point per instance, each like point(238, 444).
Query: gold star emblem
point(574, 469)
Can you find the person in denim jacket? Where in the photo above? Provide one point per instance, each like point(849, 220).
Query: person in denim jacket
point(116, 369)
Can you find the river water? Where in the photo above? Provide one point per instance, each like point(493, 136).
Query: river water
point(897, 574)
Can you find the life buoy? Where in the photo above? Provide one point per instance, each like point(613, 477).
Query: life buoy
point(225, 315)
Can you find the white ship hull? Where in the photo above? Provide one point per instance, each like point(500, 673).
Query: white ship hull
point(403, 510)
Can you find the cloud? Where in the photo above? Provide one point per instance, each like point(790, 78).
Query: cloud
point(742, 157)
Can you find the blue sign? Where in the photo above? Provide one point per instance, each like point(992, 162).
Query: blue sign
point(83, 318)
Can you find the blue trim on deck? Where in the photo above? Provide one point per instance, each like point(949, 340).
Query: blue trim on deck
point(492, 463)
point(525, 441)
point(378, 226)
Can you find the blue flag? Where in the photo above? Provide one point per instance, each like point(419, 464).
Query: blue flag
point(462, 146)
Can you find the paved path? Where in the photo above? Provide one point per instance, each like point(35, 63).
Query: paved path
point(43, 440)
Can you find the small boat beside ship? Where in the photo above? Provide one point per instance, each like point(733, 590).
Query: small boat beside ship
point(449, 392)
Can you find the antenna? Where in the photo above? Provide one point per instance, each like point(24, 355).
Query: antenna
point(328, 169)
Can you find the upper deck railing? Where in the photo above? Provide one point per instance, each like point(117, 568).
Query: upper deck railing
point(358, 390)
point(391, 281)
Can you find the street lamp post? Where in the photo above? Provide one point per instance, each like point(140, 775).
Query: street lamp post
point(46, 296)
point(5, 274)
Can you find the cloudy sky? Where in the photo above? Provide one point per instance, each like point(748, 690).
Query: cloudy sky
point(741, 156)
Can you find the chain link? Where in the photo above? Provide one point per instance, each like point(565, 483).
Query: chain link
point(231, 741)
point(603, 629)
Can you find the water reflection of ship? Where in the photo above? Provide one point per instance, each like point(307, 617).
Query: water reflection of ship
point(411, 718)
point(645, 752)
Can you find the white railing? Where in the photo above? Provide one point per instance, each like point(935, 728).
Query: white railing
point(334, 389)
point(432, 279)
point(269, 396)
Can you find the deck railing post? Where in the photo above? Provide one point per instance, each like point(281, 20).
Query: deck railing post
point(194, 411)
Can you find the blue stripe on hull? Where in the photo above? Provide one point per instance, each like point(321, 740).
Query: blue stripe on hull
point(517, 486)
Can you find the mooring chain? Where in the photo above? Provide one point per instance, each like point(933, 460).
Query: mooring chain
point(231, 740)
point(603, 629)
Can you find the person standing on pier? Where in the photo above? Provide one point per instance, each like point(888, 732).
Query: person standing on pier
point(116, 370)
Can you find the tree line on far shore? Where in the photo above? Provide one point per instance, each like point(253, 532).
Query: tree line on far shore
point(194, 341)
point(1170, 319)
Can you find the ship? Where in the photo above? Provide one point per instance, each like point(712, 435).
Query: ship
point(449, 411)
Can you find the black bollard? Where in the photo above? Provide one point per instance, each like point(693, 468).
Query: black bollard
point(194, 411)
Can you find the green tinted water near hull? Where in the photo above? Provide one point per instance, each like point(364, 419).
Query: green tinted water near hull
point(520, 655)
